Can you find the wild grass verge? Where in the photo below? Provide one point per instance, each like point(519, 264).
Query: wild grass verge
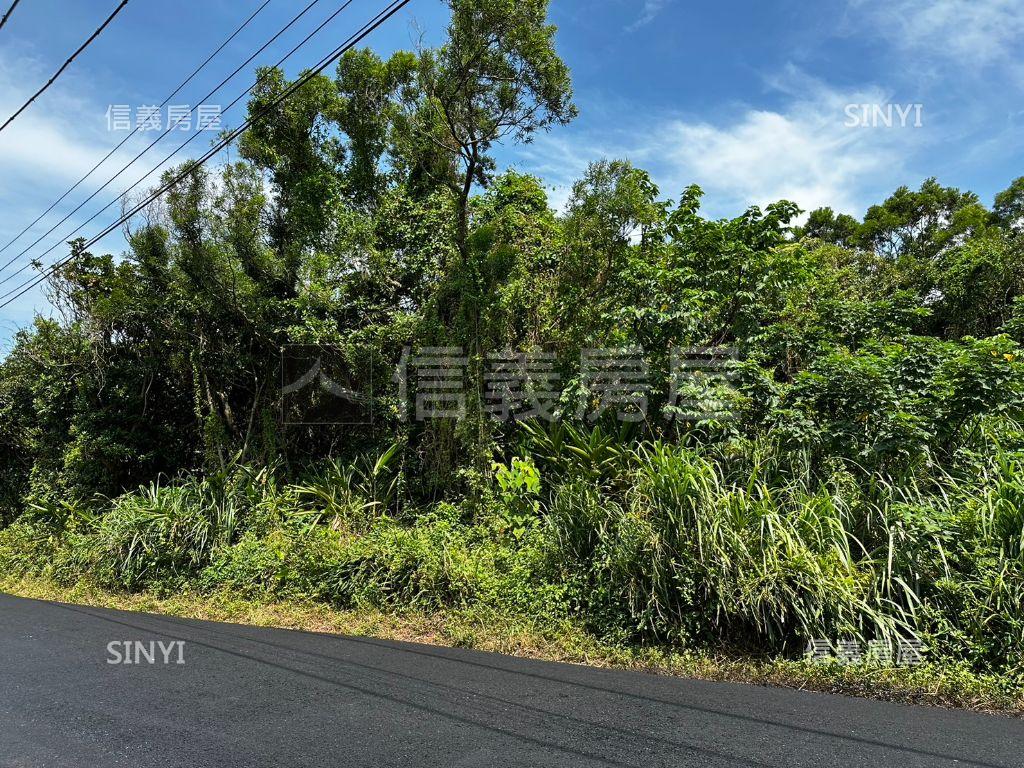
point(714, 564)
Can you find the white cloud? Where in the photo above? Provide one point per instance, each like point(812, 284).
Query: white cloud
point(648, 13)
point(55, 138)
point(50, 146)
point(803, 152)
point(62, 135)
point(806, 153)
point(977, 33)
point(56, 142)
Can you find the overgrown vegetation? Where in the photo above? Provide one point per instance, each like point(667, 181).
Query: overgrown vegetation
point(868, 486)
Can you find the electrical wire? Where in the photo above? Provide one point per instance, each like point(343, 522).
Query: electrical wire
point(66, 64)
point(9, 12)
point(367, 29)
point(173, 93)
point(165, 133)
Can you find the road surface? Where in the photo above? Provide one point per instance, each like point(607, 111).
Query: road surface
point(254, 697)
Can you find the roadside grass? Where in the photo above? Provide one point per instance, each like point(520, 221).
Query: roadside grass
point(945, 685)
point(658, 558)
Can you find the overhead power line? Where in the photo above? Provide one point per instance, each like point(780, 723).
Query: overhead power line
point(371, 26)
point(159, 138)
point(66, 64)
point(173, 93)
point(9, 12)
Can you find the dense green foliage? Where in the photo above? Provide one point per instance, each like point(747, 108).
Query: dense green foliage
point(869, 486)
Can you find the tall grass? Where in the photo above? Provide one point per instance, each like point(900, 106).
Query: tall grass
point(686, 551)
point(739, 547)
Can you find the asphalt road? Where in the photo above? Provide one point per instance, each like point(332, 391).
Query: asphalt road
point(246, 696)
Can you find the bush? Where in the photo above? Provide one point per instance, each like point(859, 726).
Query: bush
point(437, 561)
point(27, 549)
point(156, 535)
point(745, 546)
point(685, 554)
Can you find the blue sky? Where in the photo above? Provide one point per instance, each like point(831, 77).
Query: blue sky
point(747, 99)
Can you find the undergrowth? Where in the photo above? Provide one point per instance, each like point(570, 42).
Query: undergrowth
point(653, 547)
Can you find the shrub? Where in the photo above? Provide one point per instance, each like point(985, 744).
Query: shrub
point(688, 553)
point(437, 561)
point(27, 548)
point(158, 534)
point(745, 546)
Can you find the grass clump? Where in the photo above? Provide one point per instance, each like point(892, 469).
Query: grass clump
point(641, 552)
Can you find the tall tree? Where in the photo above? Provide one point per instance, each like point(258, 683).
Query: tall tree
point(498, 76)
point(1009, 208)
